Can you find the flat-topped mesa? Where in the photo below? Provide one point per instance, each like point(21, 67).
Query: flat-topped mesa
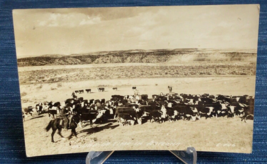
point(141, 56)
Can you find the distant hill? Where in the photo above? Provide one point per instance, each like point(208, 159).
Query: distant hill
point(140, 56)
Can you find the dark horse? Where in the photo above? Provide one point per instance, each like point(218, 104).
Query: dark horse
point(57, 124)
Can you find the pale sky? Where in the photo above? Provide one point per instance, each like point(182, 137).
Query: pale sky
point(82, 30)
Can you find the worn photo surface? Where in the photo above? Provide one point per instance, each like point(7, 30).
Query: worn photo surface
point(137, 78)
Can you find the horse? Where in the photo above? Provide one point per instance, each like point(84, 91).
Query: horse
point(73, 125)
point(170, 88)
point(57, 124)
point(74, 95)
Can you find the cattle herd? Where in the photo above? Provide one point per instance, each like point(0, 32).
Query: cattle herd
point(137, 109)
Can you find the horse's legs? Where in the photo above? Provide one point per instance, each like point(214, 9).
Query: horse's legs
point(91, 122)
point(59, 132)
point(71, 134)
point(52, 135)
point(74, 132)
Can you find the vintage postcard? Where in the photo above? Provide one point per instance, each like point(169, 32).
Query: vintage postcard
point(137, 78)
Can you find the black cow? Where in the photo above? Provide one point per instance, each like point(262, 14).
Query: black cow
point(101, 89)
point(53, 104)
point(187, 111)
point(172, 114)
point(247, 115)
point(88, 115)
point(69, 101)
point(88, 90)
point(125, 115)
point(80, 99)
point(142, 102)
point(85, 101)
point(117, 98)
point(102, 101)
point(152, 112)
point(115, 88)
point(144, 97)
point(129, 114)
point(207, 100)
point(133, 87)
point(91, 101)
point(81, 91)
point(85, 113)
point(203, 110)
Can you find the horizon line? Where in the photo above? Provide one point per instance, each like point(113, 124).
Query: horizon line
point(88, 53)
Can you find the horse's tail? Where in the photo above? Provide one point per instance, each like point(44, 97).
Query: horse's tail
point(49, 126)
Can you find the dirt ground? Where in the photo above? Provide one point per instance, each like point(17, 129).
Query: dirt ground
point(215, 134)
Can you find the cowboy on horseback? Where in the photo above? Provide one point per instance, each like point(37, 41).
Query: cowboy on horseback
point(74, 95)
point(73, 113)
point(63, 115)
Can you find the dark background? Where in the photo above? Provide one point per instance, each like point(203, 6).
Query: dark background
point(12, 148)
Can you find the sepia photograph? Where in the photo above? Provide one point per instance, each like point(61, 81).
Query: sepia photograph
point(137, 78)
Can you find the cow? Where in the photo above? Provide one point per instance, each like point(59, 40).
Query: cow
point(240, 109)
point(102, 102)
point(188, 112)
point(101, 89)
point(117, 98)
point(128, 115)
point(85, 102)
point(69, 101)
point(115, 88)
point(110, 109)
point(88, 115)
point(91, 101)
point(247, 115)
point(172, 115)
point(144, 97)
point(39, 108)
point(88, 90)
point(205, 95)
point(80, 99)
point(133, 87)
point(81, 91)
point(152, 112)
point(203, 110)
point(28, 110)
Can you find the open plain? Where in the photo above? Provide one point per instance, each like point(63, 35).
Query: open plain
point(215, 134)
